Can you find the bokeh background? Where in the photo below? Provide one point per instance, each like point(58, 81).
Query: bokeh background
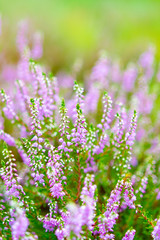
point(79, 30)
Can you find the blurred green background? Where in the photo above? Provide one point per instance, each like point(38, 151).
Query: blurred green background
point(80, 29)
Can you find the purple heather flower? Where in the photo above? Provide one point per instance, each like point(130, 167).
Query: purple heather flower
point(129, 78)
point(19, 226)
point(90, 147)
point(23, 71)
point(47, 90)
point(145, 102)
point(10, 176)
point(129, 235)
point(108, 219)
point(60, 233)
point(140, 134)
point(118, 130)
point(91, 99)
point(100, 71)
point(88, 201)
point(9, 73)
point(22, 97)
point(55, 173)
point(155, 146)
point(79, 96)
point(57, 190)
point(128, 195)
point(63, 129)
point(72, 225)
point(37, 49)
point(22, 40)
point(78, 135)
point(104, 125)
point(142, 188)
point(50, 223)
point(64, 80)
point(7, 138)
point(146, 61)
point(106, 117)
point(156, 231)
point(134, 161)
point(130, 135)
point(115, 72)
point(38, 177)
point(9, 106)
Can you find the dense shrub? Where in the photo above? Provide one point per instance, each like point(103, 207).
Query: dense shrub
point(81, 164)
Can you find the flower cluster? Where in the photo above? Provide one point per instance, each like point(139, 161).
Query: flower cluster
point(156, 231)
point(129, 235)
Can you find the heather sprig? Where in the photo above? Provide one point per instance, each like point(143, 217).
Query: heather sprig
point(10, 176)
point(55, 173)
point(156, 231)
point(108, 219)
point(129, 235)
point(104, 125)
point(9, 106)
point(65, 142)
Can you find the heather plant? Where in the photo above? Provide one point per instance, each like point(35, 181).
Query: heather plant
point(83, 165)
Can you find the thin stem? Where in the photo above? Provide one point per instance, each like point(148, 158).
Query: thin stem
point(139, 211)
